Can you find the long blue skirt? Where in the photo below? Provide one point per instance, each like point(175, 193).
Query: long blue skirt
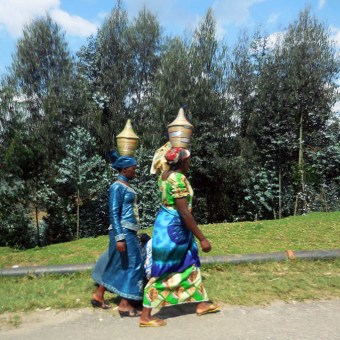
point(174, 248)
point(121, 273)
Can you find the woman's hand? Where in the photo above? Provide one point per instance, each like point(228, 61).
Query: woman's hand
point(121, 246)
point(205, 245)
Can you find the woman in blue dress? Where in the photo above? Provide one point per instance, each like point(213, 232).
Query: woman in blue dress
point(120, 269)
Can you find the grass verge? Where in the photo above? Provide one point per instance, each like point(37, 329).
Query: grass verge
point(250, 284)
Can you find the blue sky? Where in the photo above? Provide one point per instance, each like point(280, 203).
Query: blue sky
point(80, 18)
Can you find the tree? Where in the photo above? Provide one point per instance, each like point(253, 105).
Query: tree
point(43, 75)
point(114, 72)
point(296, 94)
point(81, 170)
point(210, 113)
point(144, 37)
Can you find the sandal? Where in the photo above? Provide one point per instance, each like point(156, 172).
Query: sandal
point(211, 309)
point(153, 323)
point(98, 304)
point(130, 313)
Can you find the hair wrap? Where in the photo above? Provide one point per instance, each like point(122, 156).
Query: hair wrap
point(174, 155)
point(120, 162)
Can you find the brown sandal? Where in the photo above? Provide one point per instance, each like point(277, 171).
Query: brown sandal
point(153, 323)
point(98, 304)
point(211, 309)
point(130, 313)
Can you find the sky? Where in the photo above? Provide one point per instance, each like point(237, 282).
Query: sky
point(81, 18)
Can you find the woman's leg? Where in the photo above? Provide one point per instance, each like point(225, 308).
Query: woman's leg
point(98, 295)
point(124, 305)
point(146, 315)
point(98, 298)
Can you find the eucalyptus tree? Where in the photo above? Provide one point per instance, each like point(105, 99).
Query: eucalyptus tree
point(310, 68)
point(171, 86)
point(192, 74)
point(242, 91)
point(42, 70)
point(145, 43)
point(114, 73)
point(45, 95)
point(296, 91)
point(271, 130)
point(210, 113)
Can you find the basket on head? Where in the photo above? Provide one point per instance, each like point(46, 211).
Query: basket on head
point(127, 140)
point(180, 131)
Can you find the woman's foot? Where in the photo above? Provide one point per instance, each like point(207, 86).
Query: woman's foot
point(205, 308)
point(153, 322)
point(147, 320)
point(127, 310)
point(98, 301)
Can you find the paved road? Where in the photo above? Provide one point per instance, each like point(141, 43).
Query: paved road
point(317, 320)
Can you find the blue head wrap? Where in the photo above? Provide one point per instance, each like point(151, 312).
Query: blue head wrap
point(121, 162)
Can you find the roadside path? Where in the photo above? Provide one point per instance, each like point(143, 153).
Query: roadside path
point(280, 321)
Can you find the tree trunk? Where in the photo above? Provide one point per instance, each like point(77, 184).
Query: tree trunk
point(324, 198)
point(280, 194)
point(302, 181)
point(38, 227)
point(78, 203)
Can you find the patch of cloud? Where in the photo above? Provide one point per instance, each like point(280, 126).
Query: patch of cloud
point(72, 24)
point(167, 12)
point(236, 12)
point(14, 14)
point(321, 4)
point(233, 11)
point(226, 12)
point(335, 35)
point(272, 18)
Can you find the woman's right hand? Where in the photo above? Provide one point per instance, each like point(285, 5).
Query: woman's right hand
point(205, 245)
point(121, 246)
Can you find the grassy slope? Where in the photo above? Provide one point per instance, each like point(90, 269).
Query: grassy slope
point(313, 231)
point(245, 284)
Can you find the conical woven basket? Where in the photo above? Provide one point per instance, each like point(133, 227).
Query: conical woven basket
point(180, 131)
point(127, 140)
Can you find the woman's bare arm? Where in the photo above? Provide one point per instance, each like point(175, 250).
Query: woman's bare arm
point(190, 223)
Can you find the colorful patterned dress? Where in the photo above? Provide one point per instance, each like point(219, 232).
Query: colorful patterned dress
point(176, 277)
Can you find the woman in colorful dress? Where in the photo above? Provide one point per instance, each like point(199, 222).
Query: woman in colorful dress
point(175, 273)
point(121, 270)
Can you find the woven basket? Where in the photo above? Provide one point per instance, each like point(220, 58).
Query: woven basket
point(180, 131)
point(127, 140)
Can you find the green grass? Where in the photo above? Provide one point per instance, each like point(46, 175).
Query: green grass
point(313, 231)
point(250, 284)
point(245, 284)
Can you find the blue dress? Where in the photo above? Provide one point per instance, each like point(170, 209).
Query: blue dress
point(122, 272)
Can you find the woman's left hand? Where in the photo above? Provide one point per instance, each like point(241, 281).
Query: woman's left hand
point(206, 246)
point(121, 246)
